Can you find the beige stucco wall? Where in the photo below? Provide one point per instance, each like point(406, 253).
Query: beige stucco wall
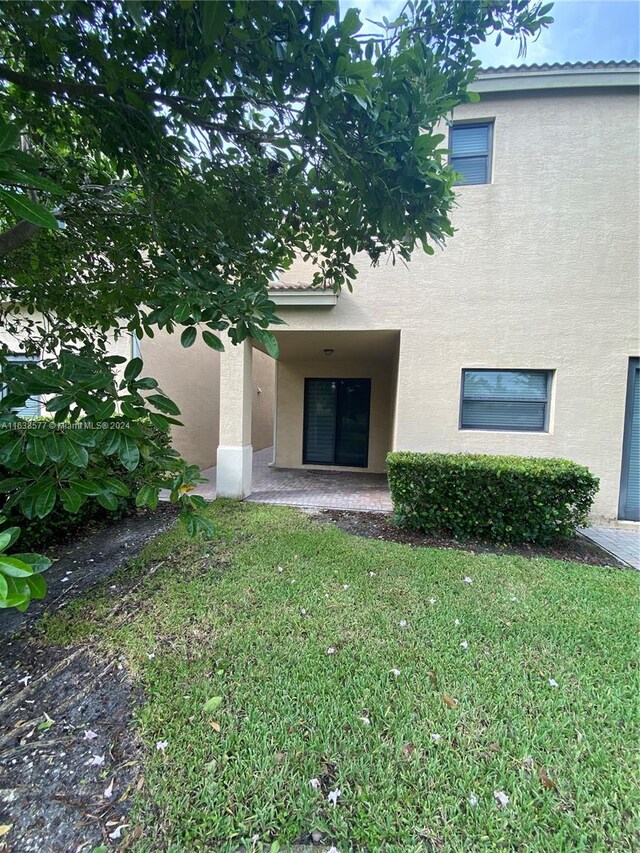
point(191, 377)
point(290, 415)
point(263, 381)
point(542, 273)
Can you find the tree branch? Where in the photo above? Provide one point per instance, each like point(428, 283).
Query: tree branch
point(17, 236)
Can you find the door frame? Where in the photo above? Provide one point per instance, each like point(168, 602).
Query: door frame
point(632, 378)
point(305, 419)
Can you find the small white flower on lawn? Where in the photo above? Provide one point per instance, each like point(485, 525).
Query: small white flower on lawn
point(513, 598)
point(332, 796)
point(116, 834)
point(473, 800)
point(403, 623)
point(64, 580)
point(366, 721)
point(435, 737)
point(345, 586)
point(457, 622)
point(372, 574)
point(280, 569)
point(25, 680)
point(95, 761)
point(89, 735)
point(331, 650)
point(108, 792)
point(395, 672)
point(315, 784)
point(464, 645)
point(553, 682)
point(303, 612)
point(326, 595)
point(151, 655)
point(502, 798)
point(162, 745)
point(468, 579)
point(432, 601)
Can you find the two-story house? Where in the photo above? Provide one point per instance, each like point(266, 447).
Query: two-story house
point(521, 337)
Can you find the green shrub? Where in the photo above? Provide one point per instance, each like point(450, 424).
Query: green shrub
point(60, 524)
point(497, 498)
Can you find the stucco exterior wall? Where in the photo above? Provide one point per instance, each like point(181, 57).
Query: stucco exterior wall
point(191, 378)
point(290, 417)
point(542, 273)
point(263, 379)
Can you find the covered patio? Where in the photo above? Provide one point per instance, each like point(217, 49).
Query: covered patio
point(297, 487)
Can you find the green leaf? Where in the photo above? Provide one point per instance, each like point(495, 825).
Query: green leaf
point(38, 562)
point(188, 337)
point(128, 453)
point(76, 454)
point(133, 369)
point(10, 453)
point(108, 500)
point(30, 180)
point(14, 567)
point(212, 704)
point(4, 587)
point(71, 499)
point(36, 450)
point(214, 16)
point(55, 447)
point(46, 500)
point(212, 341)
point(25, 208)
point(8, 537)
point(164, 404)
point(37, 586)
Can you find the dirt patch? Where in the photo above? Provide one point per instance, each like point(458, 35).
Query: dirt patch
point(81, 564)
point(376, 525)
point(60, 790)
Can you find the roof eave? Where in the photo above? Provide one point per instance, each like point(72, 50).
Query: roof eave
point(490, 81)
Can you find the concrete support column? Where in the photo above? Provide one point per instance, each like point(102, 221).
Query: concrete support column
point(235, 453)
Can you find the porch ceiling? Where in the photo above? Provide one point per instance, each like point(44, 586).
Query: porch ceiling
point(379, 345)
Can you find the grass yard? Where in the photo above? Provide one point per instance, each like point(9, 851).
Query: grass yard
point(375, 669)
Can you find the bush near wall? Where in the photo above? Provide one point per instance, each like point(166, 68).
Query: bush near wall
point(508, 499)
point(60, 525)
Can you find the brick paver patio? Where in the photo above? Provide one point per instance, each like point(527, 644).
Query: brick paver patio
point(326, 489)
point(623, 544)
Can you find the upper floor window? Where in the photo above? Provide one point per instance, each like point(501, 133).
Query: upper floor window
point(470, 146)
point(506, 399)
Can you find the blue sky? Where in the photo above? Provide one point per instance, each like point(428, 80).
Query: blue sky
point(583, 30)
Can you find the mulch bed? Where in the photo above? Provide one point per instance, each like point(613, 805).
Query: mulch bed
point(376, 525)
point(61, 792)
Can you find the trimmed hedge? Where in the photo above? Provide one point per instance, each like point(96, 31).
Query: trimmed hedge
point(509, 499)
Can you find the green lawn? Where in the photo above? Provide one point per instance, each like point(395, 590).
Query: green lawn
point(251, 617)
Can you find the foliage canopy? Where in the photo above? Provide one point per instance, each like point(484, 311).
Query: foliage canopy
point(161, 161)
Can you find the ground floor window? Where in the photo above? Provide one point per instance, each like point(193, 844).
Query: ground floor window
point(336, 422)
point(505, 399)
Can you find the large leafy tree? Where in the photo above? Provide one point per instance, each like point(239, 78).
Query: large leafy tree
point(161, 161)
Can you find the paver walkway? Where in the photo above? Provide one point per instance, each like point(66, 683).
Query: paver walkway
point(623, 544)
point(294, 487)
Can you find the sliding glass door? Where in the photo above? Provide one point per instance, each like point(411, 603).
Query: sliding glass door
point(336, 422)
